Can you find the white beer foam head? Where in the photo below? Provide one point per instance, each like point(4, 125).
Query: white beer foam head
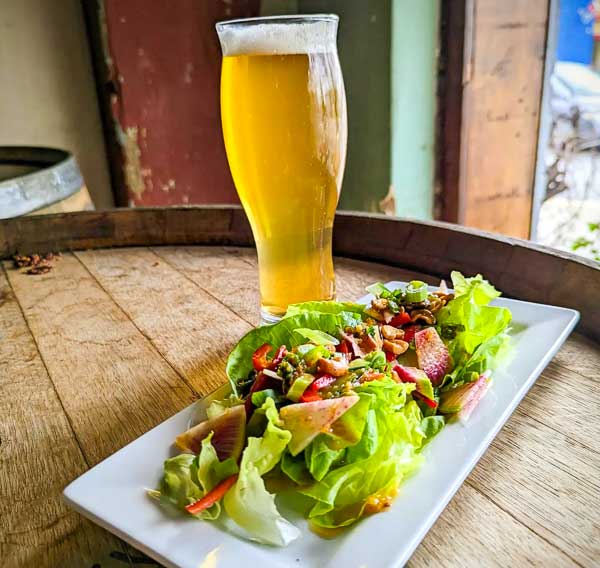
point(278, 38)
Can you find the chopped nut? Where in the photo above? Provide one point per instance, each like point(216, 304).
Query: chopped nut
point(424, 316)
point(444, 297)
point(397, 346)
point(435, 303)
point(37, 264)
point(332, 367)
point(371, 376)
point(391, 332)
point(380, 304)
point(370, 341)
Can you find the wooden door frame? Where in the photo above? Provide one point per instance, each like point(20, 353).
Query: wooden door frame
point(453, 30)
point(466, 52)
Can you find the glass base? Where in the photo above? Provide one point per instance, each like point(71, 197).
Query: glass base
point(267, 318)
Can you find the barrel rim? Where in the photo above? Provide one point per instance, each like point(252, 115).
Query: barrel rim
point(520, 269)
point(58, 176)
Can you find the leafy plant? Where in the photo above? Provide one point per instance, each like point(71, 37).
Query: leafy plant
point(589, 244)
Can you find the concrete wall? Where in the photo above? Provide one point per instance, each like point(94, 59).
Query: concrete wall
point(47, 93)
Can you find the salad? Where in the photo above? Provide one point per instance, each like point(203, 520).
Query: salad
point(333, 406)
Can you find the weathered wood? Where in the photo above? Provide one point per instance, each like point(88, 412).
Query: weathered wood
point(228, 274)
point(473, 531)
point(231, 275)
point(548, 482)
point(113, 384)
point(39, 455)
point(564, 401)
point(502, 85)
point(519, 268)
point(451, 62)
point(192, 330)
point(129, 336)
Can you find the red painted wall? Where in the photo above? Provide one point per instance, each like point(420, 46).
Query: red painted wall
point(165, 62)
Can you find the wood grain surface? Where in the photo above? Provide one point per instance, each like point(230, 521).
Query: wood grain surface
point(519, 268)
point(111, 342)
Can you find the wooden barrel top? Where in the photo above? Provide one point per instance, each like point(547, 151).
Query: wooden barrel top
point(112, 341)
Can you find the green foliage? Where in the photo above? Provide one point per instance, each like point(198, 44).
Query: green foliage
point(589, 244)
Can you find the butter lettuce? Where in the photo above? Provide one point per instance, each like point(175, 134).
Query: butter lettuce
point(478, 331)
point(248, 503)
point(187, 478)
point(358, 463)
point(239, 362)
point(319, 456)
point(387, 451)
point(327, 307)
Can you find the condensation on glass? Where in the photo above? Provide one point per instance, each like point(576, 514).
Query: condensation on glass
point(283, 111)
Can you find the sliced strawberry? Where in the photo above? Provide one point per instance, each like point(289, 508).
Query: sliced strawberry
point(432, 354)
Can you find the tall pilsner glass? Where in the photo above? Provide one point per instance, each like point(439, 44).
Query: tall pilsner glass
point(283, 110)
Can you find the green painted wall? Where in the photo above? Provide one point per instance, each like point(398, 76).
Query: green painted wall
point(364, 49)
point(387, 50)
point(414, 47)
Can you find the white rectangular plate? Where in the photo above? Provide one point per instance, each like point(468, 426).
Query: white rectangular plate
point(113, 493)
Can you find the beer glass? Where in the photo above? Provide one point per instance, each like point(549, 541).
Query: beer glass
point(283, 112)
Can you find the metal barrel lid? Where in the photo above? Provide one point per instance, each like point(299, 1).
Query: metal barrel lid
point(57, 178)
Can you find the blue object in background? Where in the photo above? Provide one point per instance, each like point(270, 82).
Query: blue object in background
point(575, 40)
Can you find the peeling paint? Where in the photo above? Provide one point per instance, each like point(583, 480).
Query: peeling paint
point(388, 204)
point(134, 177)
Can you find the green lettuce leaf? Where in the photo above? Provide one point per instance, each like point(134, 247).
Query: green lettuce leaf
point(344, 308)
point(480, 330)
point(177, 485)
point(187, 478)
point(317, 336)
point(209, 472)
point(432, 425)
point(319, 456)
point(248, 503)
point(295, 468)
point(239, 362)
point(348, 429)
point(387, 451)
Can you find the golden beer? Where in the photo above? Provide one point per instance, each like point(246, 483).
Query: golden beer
point(283, 111)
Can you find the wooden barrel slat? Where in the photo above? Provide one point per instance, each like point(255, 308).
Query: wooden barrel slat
point(39, 455)
point(112, 341)
point(519, 268)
